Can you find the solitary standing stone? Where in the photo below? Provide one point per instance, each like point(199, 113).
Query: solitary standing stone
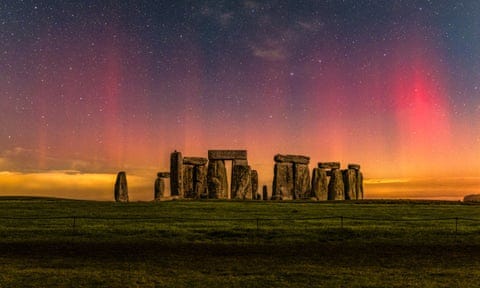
point(265, 192)
point(302, 181)
point(336, 189)
point(176, 174)
point(350, 182)
point(217, 179)
point(241, 182)
point(121, 189)
point(159, 187)
point(320, 184)
point(283, 181)
point(254, 174)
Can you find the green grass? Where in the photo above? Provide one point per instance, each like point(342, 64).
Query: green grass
point(238, 244)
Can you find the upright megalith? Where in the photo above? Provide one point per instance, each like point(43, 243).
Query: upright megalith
point(217, 179)
point(159, 187)
point(336, 188)
point(241, 182)
point(291, 179)
point(358, 181)
point(194, 177)
point(254, 176)
point(176, 174)
point(319, 184)
point(188, 189)
point(121, 188)
point(350, 183)
point(265, 193)
point(200, 181)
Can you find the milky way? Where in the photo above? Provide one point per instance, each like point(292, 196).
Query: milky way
point(99, 87)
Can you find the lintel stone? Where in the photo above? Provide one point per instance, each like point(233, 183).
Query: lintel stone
point(227, 154)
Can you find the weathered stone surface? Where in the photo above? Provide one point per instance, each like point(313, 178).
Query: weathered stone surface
point(227, 154)
point(319, 184)
point(265, 192)
point(176, 174)
point(329, 165)
point(301, 185)
point(472, 198)
point(188, 188)
point(240, 162)
point(354, 166)
point(195, 161)
point(359, 184)
point(163, 174)
point(254, 175)
point(200, 181)
point(336, 188)
point(121, 188)
point(217, 180)
point(298, 159)
point(350, 182)
point(159, 188)
point(283, 182)
point(241, 182)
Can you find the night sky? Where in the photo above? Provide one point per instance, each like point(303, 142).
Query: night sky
point(91, 88)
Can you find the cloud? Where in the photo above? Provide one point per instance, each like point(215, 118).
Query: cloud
point(271, 54)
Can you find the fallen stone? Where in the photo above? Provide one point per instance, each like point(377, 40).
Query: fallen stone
point(336, 188)
point(176, 174)
point(329, 165)
point(217, 180)
point(159, 188)
point(472, 198)
point(254, 175)
point(188, 188)
point(302, 182)
point(241, 182)
point(121, 188)
point(298, 159)
point(283, 182)
point(354, 166)
point(319, 184)
point(195, 161)
point(227, 154)
point(163, 174)
point(350, 182)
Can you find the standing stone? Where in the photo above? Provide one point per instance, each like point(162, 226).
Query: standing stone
point(217, 179)
point(241, 182)
point(176, 174)
point(188, 188)
point(359, 183)
point(200, 181)
point(254, 175)
point(320, 184)
point(121, 188)
point(336, 189)
point(283, 182)
point(350, 182)
point(159, 188)
point(265, 192)
point(302, 183)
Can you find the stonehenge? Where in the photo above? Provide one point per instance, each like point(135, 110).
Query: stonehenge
point(206, 178)
point(121, 188)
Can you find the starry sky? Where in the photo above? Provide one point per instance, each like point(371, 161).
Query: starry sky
point(89, 88)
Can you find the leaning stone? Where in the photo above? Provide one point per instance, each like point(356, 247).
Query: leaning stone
point(188, 188)
point(336, 189)
point(320, 184)
point(472, 198)
point(176, 174)
point(195, 161)
point(350, 182)
point(163, 174)
point(283, 182)
point(254, 175)
point(265, 192)
point(298, 159)
point(329, 165)
point(227, 154)
point(200, 181)
point(217, 180)
point(159, 188)
point(241, 182)
point(121, 188)
point(302, 183)
point(354, 166)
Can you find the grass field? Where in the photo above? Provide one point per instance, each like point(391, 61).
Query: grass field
point(51, 243)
